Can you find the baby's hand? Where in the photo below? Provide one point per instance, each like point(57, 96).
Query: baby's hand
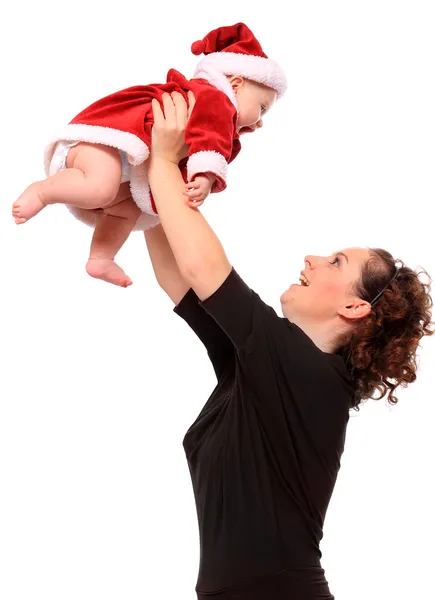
point(198, 190)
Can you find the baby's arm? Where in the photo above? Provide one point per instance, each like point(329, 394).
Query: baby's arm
point(210, 136)
point(198, 189)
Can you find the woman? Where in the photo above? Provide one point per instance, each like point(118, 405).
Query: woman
point(265, 451)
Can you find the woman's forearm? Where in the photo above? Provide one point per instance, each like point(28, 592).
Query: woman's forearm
point(165, 267)
point(197, 250)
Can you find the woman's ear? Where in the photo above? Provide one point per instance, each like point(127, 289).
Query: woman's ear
point(357, 309)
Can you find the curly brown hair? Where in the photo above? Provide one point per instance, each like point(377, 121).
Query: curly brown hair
point(381, 353)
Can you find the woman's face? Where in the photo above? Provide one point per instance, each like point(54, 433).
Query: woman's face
point(326, 289)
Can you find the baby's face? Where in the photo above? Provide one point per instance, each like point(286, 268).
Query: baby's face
point(254, 100)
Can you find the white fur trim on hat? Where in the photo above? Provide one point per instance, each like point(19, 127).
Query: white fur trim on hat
point(256, 68)
point(137, 151)
point(207, 161)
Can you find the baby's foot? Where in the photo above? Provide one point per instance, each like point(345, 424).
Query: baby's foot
point(28, 204)
point(107, 270)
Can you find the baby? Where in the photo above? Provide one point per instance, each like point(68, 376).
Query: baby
point(89, 163)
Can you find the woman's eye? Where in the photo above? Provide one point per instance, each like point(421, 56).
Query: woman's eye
point(335, 262)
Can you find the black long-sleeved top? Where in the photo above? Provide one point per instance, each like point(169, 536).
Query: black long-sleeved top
point(264, 452)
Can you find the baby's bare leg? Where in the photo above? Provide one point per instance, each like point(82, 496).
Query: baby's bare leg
point(91, 180)
point(110, 234)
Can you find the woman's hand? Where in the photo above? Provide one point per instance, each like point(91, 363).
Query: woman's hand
point(167, 140)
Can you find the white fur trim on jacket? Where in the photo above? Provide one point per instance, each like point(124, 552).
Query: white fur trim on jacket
point(207, 161)
point(140, 189)
point(137, 151)
point(257, 68)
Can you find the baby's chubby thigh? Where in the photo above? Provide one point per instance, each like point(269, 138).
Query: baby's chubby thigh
point(101, 167)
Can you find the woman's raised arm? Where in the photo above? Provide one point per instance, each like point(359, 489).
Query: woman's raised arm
point(197, 250)
point(165, 267)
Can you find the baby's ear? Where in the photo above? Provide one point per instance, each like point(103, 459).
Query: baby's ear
point(236, 81)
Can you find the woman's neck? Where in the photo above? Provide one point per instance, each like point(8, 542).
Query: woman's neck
point(326, 336)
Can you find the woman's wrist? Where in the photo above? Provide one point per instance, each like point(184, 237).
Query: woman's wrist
point(159, 166)
point(162, 159)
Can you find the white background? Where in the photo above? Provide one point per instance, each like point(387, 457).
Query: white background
point(99, 384)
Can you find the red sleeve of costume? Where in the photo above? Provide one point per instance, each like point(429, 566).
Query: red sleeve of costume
point(210, 136)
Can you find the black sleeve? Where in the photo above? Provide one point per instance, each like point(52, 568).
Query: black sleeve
point(219, 347)
point(233, 306)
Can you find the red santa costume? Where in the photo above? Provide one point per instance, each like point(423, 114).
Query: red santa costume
point(124, 119)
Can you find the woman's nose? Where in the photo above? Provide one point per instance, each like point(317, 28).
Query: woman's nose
point(310, 261)
point(259, 123)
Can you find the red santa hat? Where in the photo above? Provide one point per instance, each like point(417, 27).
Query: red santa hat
point(234, 50)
